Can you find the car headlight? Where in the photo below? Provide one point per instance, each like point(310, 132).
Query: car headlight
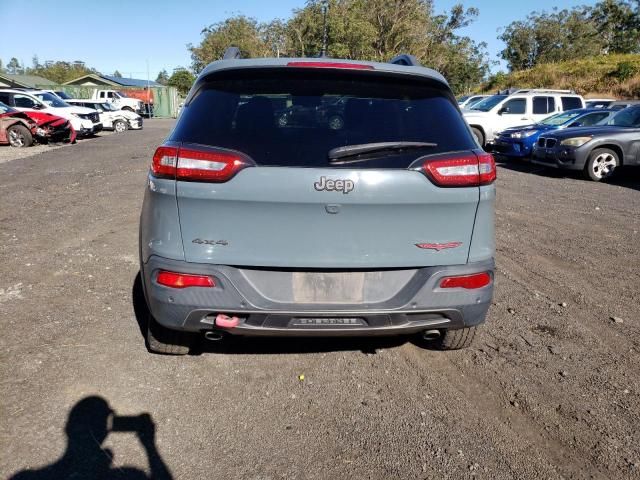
point(41, 132)
point(523, 133)
point(575, 141)
point(76, 115)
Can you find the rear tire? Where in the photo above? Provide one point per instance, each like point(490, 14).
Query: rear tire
point(165, 340)
point(19, 136)
point(457, 339)
point(601, 164)
point(479, 136)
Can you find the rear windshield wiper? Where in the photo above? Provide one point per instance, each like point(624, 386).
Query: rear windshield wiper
point(336, 154)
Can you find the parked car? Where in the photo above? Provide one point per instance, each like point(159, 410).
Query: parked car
point(111, 118)
point(518, 142)
point(84, 120)
point(385, 227)
point(467, 101)
point(598, 102)
point(597, 150)
point(499, 112)
point(21, 129)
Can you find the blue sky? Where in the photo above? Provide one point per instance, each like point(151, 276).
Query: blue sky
point(126, 34)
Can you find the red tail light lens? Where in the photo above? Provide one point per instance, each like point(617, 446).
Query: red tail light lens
point(466, 170)
point(477, 280)
point(184, 280)
point(164, 162)
point(347, 66)
point(197, 165)
point(208, 166)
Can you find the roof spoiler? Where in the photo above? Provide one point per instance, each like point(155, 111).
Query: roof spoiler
point(233, 53)
point(405, 59)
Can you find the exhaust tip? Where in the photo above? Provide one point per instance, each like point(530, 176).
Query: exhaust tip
point(214, 335)
point(431, 335)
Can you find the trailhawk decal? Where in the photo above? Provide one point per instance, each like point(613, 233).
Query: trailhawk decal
point(326, 184)
point(438, 246)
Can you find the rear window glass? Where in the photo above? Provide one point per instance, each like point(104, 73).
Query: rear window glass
point(570, 103)
point(295, 119)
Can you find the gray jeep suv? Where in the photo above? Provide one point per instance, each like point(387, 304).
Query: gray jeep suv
point(380, 224)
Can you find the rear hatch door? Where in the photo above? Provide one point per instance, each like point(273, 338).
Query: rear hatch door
point(296, 206)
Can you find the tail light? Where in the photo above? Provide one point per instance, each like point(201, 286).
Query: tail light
point(477, 280)
point(184, 280)
point(466, 170)
point(197, 164)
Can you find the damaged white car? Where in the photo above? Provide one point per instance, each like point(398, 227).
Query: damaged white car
point(110, 116)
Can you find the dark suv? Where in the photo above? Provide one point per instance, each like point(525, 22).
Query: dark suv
point(253, 226)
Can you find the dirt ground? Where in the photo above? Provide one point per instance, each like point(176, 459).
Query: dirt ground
point(551, 388)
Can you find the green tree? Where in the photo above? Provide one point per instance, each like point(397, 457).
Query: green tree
point(117, 74)
point(610, 26)
point(240, 31)
point(61, 71)
point(182, 79)
point(13, 66)
point(163, 77)
point(35, 62)
point(619, 24)
point(357, 29)
point(1, 66)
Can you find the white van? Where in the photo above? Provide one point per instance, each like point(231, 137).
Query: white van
point(490, 116)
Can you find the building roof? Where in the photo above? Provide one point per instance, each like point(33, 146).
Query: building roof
point(92, 79)
point(131, 82)
point(25, 81)
point(96, 78)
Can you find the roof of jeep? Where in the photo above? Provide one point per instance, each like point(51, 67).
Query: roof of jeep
point(249, 63)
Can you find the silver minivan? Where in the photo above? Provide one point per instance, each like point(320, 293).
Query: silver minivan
point(369, 211)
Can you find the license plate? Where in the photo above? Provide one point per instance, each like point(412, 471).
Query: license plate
point(328, 287)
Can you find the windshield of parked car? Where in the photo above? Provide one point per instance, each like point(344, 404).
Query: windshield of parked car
point(51, 100)
point(463, 98)
point(559, 118)
point(4, 108)
point(629, 117)
point(63, 95)
point(123, 95)
point(107, 107)
point(275, 118)
point(488, 103)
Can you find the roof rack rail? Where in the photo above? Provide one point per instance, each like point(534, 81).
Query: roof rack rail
point(231, 53)
point(542, 90)
point(405, 59)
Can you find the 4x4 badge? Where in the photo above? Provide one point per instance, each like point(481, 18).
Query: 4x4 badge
point(344, 186)
point(438, 246)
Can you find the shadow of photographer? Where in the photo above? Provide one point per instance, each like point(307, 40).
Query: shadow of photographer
point(90, 422)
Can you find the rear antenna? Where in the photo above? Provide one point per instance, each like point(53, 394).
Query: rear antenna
point(231, 53)
point(325, 7)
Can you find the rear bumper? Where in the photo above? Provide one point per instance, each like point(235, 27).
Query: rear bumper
point(417, 305)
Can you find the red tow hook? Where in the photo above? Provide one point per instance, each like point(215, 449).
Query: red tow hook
point(225, 321)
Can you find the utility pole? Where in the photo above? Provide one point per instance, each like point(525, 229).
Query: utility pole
point(325, 7)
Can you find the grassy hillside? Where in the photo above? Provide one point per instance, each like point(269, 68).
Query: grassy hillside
point(604, 75)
